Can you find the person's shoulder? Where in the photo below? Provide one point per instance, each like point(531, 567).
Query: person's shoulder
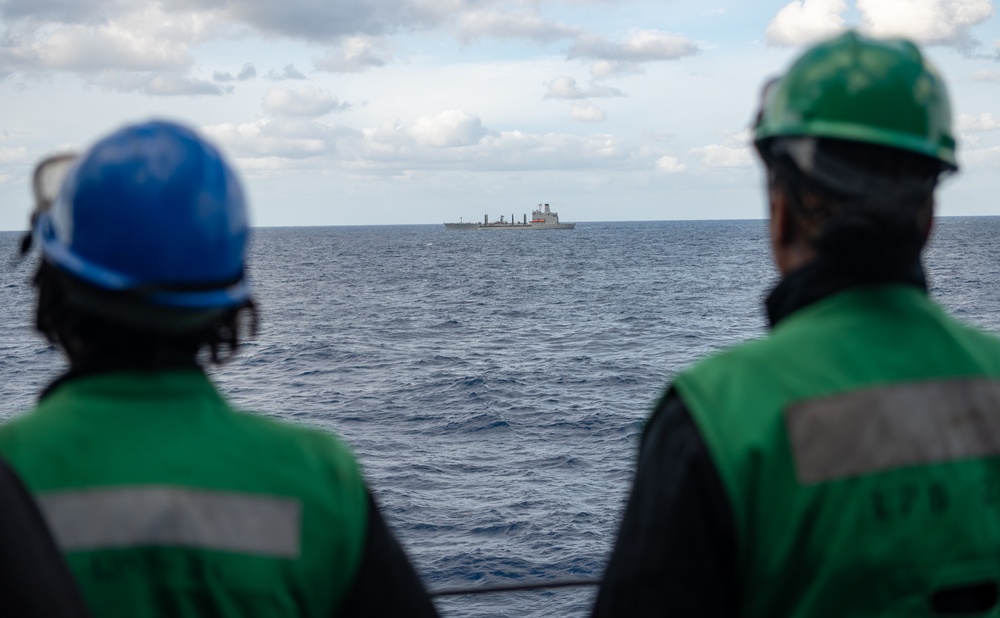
point(953, 329)
point(982, 345)
point(12, 428)
point(746, 354)
point(312, 463)
point(960, 328)
point(721, 379)
point(281, 434)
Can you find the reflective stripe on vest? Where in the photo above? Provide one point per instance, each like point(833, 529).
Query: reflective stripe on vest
point(174, 516)
point(879, 429)
point(902, 503)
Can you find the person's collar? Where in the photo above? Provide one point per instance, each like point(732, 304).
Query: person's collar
point(822, 278)
point(93, 368)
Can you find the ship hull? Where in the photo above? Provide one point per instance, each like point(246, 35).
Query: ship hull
point(468, 227)
point(530, 226)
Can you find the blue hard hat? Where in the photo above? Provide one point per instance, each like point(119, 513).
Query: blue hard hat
point(153, 210)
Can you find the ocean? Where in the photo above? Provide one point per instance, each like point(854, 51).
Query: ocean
point(494, 385)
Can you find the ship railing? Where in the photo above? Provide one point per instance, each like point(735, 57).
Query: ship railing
point(539, 585)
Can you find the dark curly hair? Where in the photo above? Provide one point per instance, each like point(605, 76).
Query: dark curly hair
point(98, 327)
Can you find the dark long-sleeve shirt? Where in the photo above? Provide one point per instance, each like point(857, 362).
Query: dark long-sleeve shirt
point(386, 585)
point(34, 580)
point(676, 551)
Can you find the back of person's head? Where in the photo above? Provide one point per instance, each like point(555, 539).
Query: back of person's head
point(143, 251)
point(857, 135)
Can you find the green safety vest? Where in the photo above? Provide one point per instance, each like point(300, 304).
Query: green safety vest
point(167, 502)
point(858, 447)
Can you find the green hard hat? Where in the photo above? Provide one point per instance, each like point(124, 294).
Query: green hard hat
point(861, 89)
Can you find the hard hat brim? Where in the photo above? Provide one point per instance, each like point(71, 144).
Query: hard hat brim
point(58, 253)
point(852, 132)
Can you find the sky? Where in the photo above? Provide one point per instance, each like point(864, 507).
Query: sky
point(372, 112)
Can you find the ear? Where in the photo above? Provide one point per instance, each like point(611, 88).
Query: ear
point(781, 224)
point(788, 253)
point(927, 220)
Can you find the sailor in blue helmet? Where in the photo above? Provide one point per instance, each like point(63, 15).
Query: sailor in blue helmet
point(164, 499)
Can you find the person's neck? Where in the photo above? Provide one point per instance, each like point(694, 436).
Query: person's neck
point(88, 360)
point(793, 257)
point(82, 367)
point(821, 278)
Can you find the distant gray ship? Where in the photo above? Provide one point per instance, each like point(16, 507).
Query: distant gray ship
point(542, 218)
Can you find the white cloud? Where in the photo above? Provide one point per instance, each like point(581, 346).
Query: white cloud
point(288, 72)
point(742, 137)
point(165, 84)
point(602, 69)
point(565, 87)
point(982, 157)
point(945, 22)
point(125, 45)
point(670, 165)
point(270, 138)
point(502, 25)
point(928, 21)
point(393, 146)
point(518, 150)
point(622, 58)
point(314, 21)
point(96, 36)
point(974, 123)
point(452, 140)
point(60, 10)
point(587, 113)
point(247, 72)
point(733, 152)
point(177, 85)
point(353, 55)
point(13, 155)
point(140, 40)
point(986, 75)
point(328, 22)
point(639, 46)
point(806, 21)
point(718, 155)
point(448, 129)
point(301, 102)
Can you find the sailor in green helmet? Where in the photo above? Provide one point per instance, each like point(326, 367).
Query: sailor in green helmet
point(848, 464)
point(165, 500)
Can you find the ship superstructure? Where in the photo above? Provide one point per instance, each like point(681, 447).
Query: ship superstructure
point(542, 218)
